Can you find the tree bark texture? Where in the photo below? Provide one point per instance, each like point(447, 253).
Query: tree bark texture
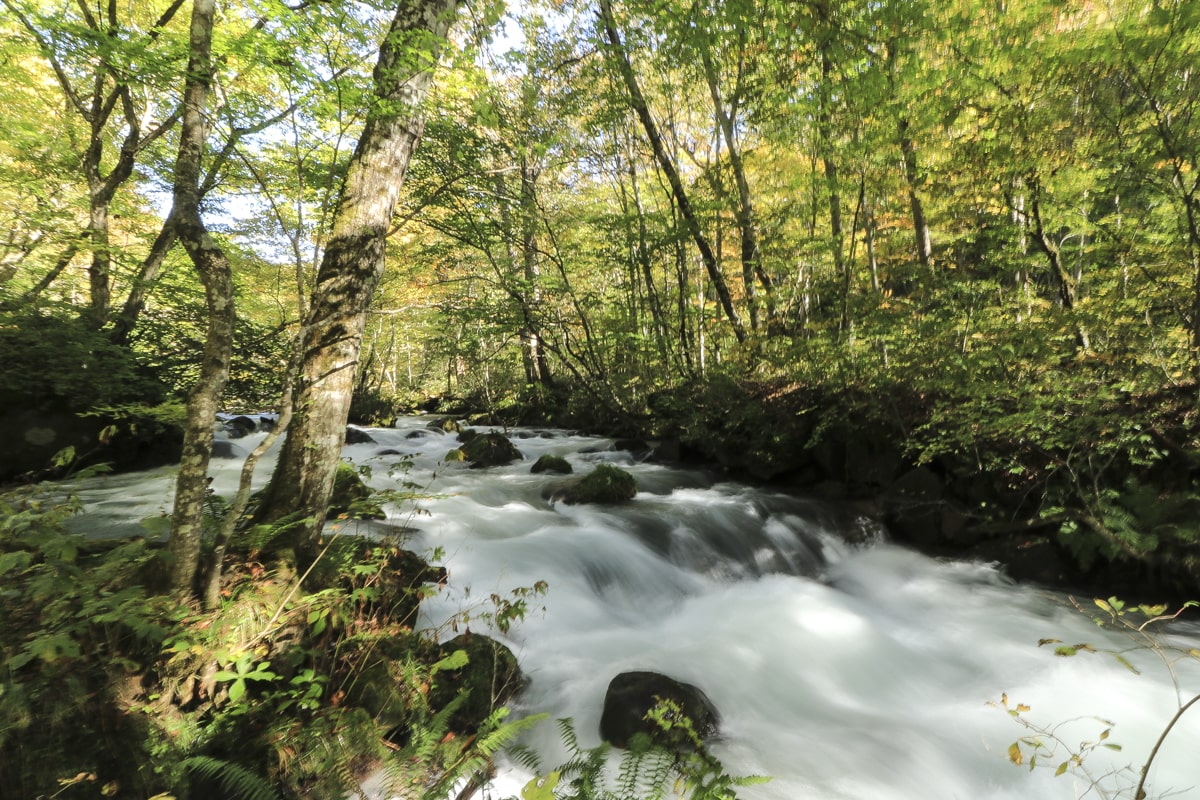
point(352, 265)
point(191, 487)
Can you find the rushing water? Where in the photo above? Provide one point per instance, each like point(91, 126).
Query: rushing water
point(843, 666)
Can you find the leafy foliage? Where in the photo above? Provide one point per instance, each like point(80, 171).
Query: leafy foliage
point(645, 771)
point(276, 693)
point(1045, 746)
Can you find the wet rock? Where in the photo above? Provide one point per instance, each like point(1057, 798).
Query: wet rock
point(357, 436)
point(490, 450)
point(446, 425)
point(490, 678)
point(222, 448)
point(604, 484)
point(913, 505)
point(240, 426)
point(632, 695)
point(551, 463)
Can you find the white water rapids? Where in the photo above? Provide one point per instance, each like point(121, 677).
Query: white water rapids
point(844, 667)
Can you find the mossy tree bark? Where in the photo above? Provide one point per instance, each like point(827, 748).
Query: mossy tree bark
point(352, 266)
point(191, 486)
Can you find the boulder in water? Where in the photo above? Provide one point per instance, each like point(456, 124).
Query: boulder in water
point(551, 463)
point(490, 450)
point(632, 696)
point(604, 484)
point(239, 426)
point(490, 678)
point(357, 436)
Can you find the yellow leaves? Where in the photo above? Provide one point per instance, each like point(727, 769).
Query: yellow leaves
point(1015, 755)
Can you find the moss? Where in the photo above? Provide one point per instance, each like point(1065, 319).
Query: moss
point(549, 463)
point(604, 484)
point(489, 679)
point(454, 456)
point(490, 450)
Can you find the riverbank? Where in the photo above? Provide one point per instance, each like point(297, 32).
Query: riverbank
point(1070, 482)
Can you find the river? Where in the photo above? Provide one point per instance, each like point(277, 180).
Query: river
point(843, 666)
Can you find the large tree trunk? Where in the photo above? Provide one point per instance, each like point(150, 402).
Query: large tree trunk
point(351, 267)
point(191, 486)
point(642, 109)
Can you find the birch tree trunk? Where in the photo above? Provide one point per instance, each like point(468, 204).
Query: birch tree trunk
point(191, 486)
point(351, 267)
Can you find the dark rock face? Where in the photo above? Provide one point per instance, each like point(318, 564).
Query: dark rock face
point(491, 677)
point(549, 463)
point(224, 449)
point(604, 484)
point(490, 450)
point(914, 506)
point(357, 436)
point(240, 426)
point(632, 695)
point(30, 439)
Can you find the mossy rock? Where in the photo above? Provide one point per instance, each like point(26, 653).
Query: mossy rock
point(351, 495)
point(454, 456)
point(605, 484)
point(550, 463)
point(466, 435)
point(631, 696)
point(398, 575)
point(446, 424)
point(490, 450)
point(490, 678)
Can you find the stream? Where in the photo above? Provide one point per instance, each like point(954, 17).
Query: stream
point(843, 666)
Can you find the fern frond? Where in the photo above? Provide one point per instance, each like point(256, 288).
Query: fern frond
point(234, 781)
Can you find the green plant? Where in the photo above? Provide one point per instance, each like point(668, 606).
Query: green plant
point(1045, 745)
point(644, 771)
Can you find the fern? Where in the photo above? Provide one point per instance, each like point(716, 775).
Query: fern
point(646, 772)
point(234, 781)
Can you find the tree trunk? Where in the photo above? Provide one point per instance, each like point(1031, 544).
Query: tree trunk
point(837, 233)
point(640, 106)
point(538, 366)
point(191, 486)
point(351, 267)
point(135, 303)
point(924, 238)
point(752, 268)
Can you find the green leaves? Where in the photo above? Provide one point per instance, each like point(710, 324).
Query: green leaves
point(541, 788)
point(244, 669)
